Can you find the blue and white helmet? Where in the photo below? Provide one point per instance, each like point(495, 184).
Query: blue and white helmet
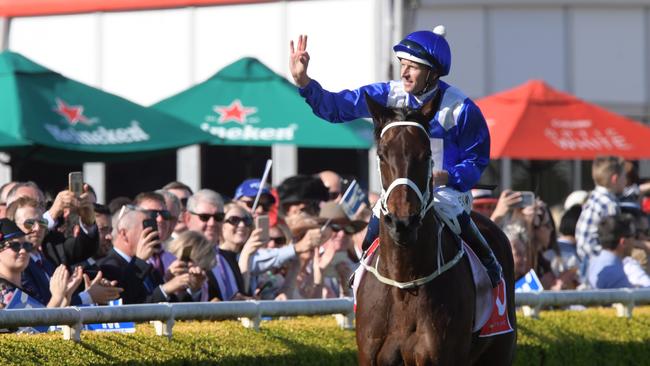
point(428, 48)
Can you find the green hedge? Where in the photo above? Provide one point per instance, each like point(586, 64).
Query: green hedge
point(592, 337)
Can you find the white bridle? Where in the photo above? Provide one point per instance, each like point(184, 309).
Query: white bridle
point(426, 202)
point(426, 199)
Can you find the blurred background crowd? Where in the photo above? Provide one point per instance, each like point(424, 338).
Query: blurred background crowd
point(596, 239)
point(292, 241)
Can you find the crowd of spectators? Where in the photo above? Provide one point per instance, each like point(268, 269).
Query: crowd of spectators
point(292, 241)
point(595, 240)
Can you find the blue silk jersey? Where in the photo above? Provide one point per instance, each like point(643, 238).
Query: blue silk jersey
point(460, 139)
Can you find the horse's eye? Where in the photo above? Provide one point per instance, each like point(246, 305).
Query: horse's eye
point(380, 155)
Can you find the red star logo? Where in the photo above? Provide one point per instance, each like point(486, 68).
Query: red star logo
point(235, 112)
point(72, 113)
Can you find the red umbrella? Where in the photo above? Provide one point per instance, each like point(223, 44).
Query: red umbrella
point(536, 122)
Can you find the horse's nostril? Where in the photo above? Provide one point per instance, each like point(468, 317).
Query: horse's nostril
point(414, 220)
point(388, 219)
point(402, 223)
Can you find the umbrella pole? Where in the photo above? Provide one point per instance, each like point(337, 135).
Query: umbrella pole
point(5, 167)
point(5, 23)
point(506, 174)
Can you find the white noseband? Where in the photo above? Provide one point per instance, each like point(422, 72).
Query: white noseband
point(426, 199)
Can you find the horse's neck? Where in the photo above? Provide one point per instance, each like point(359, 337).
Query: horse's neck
point(414, 261)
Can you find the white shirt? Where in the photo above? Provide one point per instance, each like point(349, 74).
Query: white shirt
point(635, 273)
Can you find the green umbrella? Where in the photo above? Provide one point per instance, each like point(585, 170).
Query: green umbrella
point(248, 104)
point(65, 120)
point(9, 143)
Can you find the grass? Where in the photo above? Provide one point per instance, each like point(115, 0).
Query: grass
point(591, 337)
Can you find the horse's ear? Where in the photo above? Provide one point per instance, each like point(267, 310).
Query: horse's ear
point(428, 110)
point(376, 110)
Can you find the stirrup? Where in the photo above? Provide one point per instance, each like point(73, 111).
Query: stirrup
point(494, 271)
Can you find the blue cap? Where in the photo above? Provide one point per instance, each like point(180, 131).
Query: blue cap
point(249, 188)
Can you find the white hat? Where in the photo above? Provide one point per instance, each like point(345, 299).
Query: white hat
point(575, 198)
point(481, 193)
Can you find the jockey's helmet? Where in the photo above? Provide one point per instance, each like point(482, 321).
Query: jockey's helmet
point(426, 47)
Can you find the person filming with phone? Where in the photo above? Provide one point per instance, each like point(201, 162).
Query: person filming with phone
point(28, 215)
point(58, 247)
point(158, 227)
point(127, 263)
point(510, 204)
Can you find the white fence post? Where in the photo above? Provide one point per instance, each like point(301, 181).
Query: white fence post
point(345, 321)
point(164, 329)
point(624, 310)
point(254, 321)
point(530, 311)
point(72, 332)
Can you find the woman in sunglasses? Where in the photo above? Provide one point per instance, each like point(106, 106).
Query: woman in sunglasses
point(239, 236)
point(334, 261)
point(14, 258)
point(236, 230)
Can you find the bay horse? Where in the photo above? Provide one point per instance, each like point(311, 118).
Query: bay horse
point(429, 322)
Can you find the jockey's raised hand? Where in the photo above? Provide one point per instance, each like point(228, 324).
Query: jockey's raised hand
point(299, 61)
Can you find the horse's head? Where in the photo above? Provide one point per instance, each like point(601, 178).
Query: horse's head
point(404, 159)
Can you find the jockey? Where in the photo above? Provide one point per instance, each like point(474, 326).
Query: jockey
point(460, 139)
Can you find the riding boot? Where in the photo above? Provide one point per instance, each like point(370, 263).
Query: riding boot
point(471, 234)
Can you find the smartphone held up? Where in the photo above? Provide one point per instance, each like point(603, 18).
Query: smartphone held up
point(154, 226)
point(76, 183)
point(527, 199)
point(262, 222)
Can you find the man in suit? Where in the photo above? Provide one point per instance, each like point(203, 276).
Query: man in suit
point(104, 222)
point(153, 204)
point(127, 264)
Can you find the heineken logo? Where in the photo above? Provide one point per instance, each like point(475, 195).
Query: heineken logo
point(74, 115)
point(235, 112)
point(251, 133)
point(99, 136)
point(235, 122)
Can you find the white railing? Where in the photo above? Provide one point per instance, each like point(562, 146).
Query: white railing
point(623, 300)
point(164, 315)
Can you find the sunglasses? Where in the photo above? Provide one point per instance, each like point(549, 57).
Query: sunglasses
point(235, 220)
point(266, 205)
point(29, 223)
point(348, 229)
point(17, 245)
point(165, 214)
point(218, 217)
point(280, 240)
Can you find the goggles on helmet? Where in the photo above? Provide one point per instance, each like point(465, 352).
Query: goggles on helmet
point(414, 49)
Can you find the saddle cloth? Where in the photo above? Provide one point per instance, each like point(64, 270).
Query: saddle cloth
point(490, 315)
